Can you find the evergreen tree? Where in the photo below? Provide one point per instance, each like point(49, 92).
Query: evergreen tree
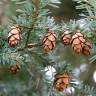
point(41, 57)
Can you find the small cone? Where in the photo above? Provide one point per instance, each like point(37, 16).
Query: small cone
point(61, 82)
point(14, 68)
point(14, 36)
point(78, 41)
point(49, 41)
point(86, 48)
point(66, 37)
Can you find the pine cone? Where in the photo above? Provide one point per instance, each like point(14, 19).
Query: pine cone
point(66, 37)
point(86, 48)
point(14, 36)
point(14, 68)
point(78, 41)
point(61, 82)
point(49, 41)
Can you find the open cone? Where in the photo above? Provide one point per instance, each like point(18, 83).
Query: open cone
point(14, 68)
point(61, 82)
point(66, 37)
point(78, 42)
point(14, 36)
point(49, 41)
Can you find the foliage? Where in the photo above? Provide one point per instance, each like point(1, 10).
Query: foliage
point(89, 8)
point(34, 20)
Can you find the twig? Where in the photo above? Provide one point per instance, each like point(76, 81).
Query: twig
point(91, 17)
point(28, 35)
point(33, 45)
point(29, 46)
point(34, 18)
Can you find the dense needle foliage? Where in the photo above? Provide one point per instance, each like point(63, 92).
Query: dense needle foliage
point(33, 18)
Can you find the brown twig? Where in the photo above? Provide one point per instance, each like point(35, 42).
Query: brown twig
point(34, 18)
point(29, 46)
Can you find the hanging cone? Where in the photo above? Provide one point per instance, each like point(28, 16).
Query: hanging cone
point(78, 41)
point(14, 36)
point(14, 68)
point(86, 48)
point(66, 37)
point(49, 41)
point(61, 82)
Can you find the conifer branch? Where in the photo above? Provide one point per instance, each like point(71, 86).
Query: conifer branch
point(34, 18)
point(31, 45)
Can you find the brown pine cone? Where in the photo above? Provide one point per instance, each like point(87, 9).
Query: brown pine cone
point(86, 48)
point(61, 82)
point(78, 41)
point(66, 37)
point(14, 68)
point(49, 41)
point(14, 35)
